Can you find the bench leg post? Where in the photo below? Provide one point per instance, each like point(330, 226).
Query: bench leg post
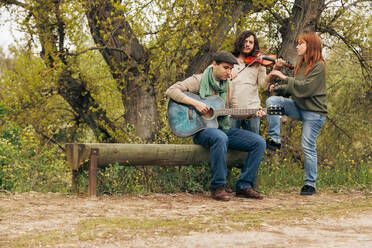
point(75, 181)
point(92, 184)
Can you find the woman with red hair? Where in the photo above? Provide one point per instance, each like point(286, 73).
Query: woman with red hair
point(308, 102)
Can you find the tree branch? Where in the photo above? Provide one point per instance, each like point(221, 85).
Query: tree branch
point(60, 30)
point(333, 122)
point(361, 60)
point(12, 2)
point(277, 17)
point(333, 85)
point(94, 48)
point(340, 11)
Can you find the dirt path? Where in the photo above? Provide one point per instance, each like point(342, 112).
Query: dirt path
point(185, 220)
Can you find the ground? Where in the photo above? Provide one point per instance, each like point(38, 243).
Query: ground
point(327, 219)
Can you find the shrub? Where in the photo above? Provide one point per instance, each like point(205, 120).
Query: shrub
point(28, 164)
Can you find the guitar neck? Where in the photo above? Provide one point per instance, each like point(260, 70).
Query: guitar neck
point(236, 111)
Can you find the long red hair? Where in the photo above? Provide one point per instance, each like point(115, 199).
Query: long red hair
point(313, 51)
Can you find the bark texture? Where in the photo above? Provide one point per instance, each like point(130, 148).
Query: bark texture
point(127, 60)
point(204, 56)
point(304, 18)
point(75, 92)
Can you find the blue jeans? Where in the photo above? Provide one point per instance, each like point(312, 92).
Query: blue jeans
point(252, 124)
point(218, 141)
point(311, 124)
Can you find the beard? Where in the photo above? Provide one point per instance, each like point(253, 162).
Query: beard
point(251, 53)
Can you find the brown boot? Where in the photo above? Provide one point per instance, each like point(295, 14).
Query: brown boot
point(249, 193)
point(221, 194)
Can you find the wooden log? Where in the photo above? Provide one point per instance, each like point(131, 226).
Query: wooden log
point(144, 154)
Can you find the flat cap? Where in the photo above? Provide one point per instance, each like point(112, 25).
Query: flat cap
point(223, 56)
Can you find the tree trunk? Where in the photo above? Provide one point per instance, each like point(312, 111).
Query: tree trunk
point(51, 34)
point(74, 91)
point(127, 60)
point(204, 56)
point(304, 18)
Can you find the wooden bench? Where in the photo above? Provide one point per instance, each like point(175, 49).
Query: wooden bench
point(99, 155)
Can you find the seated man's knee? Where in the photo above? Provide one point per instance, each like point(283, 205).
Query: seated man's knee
point(221, 138)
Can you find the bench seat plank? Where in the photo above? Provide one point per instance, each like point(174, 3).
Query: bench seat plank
point(144, 154)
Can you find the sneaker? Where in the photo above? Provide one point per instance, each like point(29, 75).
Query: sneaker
point(220, 194)
point(272, 145)
point(307, 190)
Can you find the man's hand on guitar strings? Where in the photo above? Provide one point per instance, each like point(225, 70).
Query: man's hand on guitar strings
point(201, 107)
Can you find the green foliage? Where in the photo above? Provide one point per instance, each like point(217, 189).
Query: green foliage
point(346, 173)
point(184, 178)
point(275, 173)
point(3, 110)
point(28, 164)
point(172, 33)
point(119, 179)
point(286, 174)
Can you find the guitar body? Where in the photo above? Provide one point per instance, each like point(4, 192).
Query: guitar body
point(184, 120)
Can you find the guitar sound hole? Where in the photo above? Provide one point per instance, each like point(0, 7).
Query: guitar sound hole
point(209, 114)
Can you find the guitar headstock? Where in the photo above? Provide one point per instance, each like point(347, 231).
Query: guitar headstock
point(274, 110)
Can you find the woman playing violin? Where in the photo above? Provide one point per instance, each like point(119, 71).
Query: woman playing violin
point(245, 80)
point(308, 102)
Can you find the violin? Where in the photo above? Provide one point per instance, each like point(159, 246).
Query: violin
point(265, 60)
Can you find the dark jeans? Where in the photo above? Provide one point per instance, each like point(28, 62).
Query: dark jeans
point(218, 141)
point(252, 124)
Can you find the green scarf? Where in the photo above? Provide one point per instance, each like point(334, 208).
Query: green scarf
point(207, 81)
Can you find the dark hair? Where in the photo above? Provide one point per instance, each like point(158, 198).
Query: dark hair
point(240, 40)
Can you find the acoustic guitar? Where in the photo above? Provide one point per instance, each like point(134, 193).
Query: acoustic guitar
point(184, 120)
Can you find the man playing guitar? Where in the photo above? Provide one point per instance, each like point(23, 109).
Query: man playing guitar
point(214, 81)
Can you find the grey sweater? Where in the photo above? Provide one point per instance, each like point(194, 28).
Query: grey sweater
point(309, 92)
